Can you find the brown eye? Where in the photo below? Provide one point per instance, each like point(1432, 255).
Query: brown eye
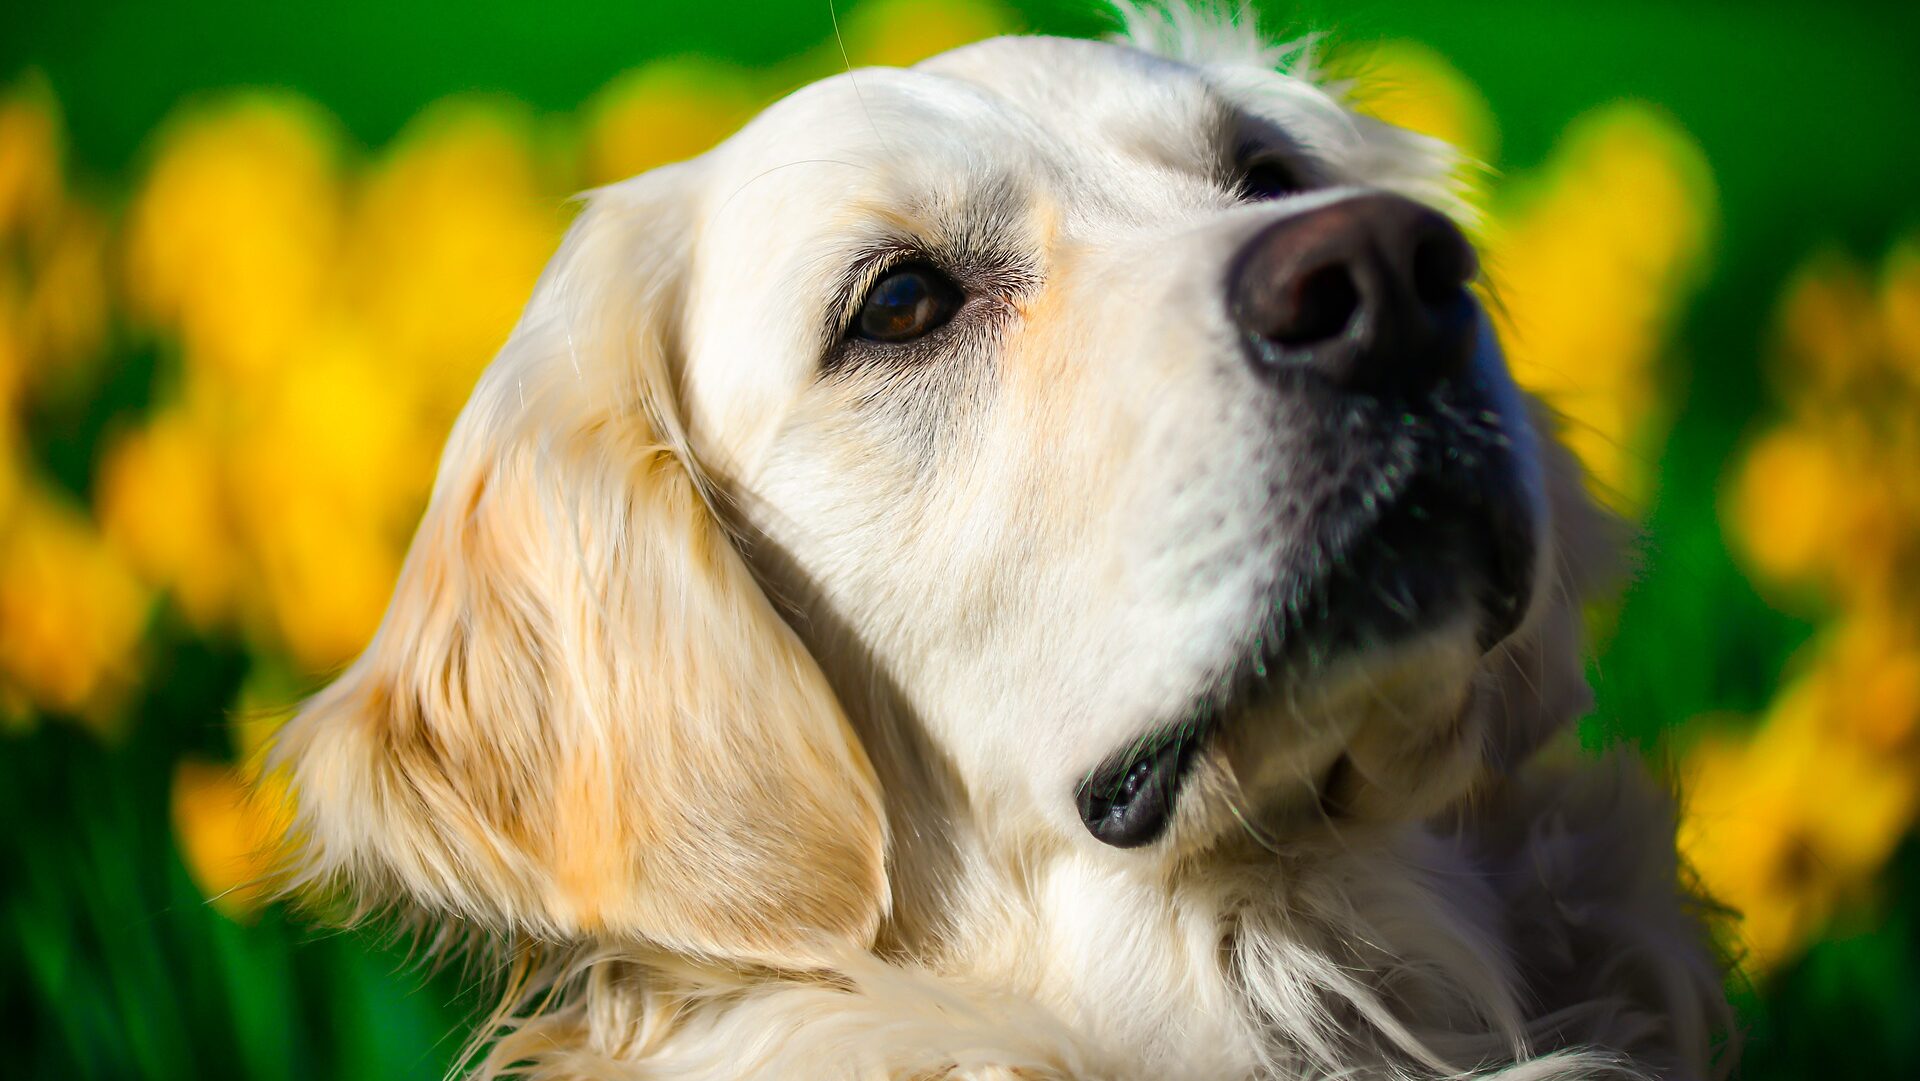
point(905, 304)
point(1268, 179)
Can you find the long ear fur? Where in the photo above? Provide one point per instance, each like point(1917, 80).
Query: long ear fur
point(581, 717)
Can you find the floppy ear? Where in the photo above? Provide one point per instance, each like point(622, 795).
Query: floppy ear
point(581, 716)
point(1540, 672)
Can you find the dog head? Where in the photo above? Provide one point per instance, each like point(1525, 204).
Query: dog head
point(1118, 429)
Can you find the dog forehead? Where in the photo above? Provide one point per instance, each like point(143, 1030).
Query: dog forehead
point(1082, 86)
point(1034, 106)
point(871, 114)
point(832, 162)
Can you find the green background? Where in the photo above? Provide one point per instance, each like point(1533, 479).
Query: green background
point(111, 965)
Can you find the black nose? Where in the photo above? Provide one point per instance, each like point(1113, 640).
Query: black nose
point(1369, 292)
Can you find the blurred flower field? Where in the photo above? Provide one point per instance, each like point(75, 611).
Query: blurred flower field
point(226, 370)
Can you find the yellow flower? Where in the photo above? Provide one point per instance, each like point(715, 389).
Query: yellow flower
point(1829, 327)
point(329, 473)
point(1871, 681)
point(161, 499)
point(1831, 499)
point(228, 832)
point(1900, 308)
point(1592, 260)
point(669, 110)
point(31, 149)
point(450, 233)
point(1850, 340)
point(13, 361)
point(64, 316)
point(71, 612)
point(1740, 835)
point(1781, 828)
point(1411, 85)
point(232, 235)
point(327, 582)
point(1827, 500)
point(53, 287)
point(899, 33)
point(1787, 503)
point(325, 484)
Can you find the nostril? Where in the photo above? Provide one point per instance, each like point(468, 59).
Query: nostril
point(1368, 294)
point(1317, 305)
point(1443, 265)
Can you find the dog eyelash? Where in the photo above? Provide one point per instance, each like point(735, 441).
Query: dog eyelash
point(1259, 171)
point(867, 270)
point(843, 345)
point(987, 276)
point(839, 346)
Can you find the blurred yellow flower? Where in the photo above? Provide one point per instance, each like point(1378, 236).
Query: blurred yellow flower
point(1872, 682)
point(899, 33)
point(1784, 826)
point(1591, 260)
point(53, 280)
point(669, 110)
point(1824, 503)
point(228, 830)
point(31, 152)
point(450, 231)
point(1787, 501)
point(232, 234)
point(228, 821)
point(1831, 499)
point(331, 324)
point(1790, 823)
point(161, 500)
point(64, 312)
point(1900, 308)
point(328, 480)
point(71, 612)
point(1411, 85)
point(1829, 330)
point(13, 371)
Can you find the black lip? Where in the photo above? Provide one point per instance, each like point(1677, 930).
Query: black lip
point(1444, 543)
point(1457, 528)
point(1446, 522)
point(1129, 816)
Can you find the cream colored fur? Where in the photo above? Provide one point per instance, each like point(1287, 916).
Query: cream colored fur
point(741, 704)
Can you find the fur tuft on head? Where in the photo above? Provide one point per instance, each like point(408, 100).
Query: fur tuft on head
point(1229, 47)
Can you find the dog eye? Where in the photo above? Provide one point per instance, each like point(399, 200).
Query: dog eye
point(907, 303)
point(1268, 179)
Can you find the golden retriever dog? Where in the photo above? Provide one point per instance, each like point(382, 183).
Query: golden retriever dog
point(1028, 566)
